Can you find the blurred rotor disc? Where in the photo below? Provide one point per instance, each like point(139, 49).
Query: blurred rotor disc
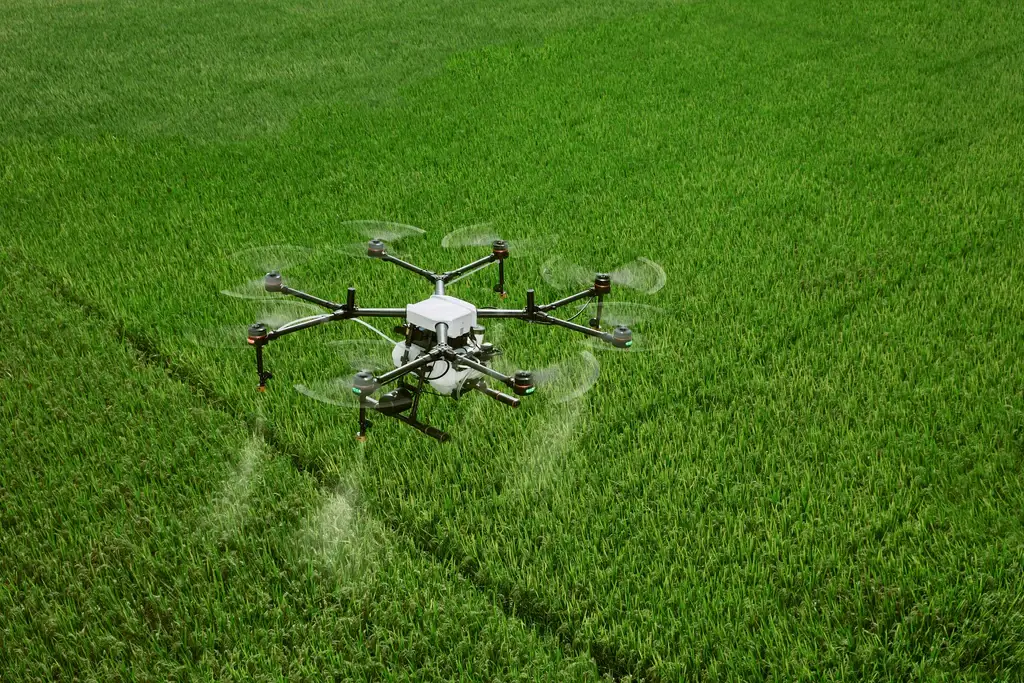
point(560, 382)
point(641, 319)
point(570, 379)
point(356, 235)
point(277, 257)
point(352, 356)
point(251, 264)
point(253, 290)
point(640, 274)
point(482, 235)
point(236, 335)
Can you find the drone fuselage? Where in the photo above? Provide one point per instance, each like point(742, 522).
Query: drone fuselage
point(459, 319)
point(458, 315)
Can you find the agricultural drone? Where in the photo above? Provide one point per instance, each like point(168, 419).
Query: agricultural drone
point(442, 344)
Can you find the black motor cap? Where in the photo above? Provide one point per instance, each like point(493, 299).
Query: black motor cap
point(622, 337)
point(375, 248)
point(363, 384)
point(522, 383)
point(257, 332)
point(602, 283)
point(272, 281)
point(499, 248)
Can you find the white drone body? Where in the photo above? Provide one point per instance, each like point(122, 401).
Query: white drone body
point(460, 317)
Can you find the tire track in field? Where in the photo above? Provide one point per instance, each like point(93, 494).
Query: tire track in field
point(331, 532)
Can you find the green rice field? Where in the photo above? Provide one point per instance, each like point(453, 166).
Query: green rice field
point(809, 466)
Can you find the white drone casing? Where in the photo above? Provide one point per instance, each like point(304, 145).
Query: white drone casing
point(460, 317)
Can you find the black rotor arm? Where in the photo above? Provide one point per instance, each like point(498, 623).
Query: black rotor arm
point(260, 335)
point(370, 383)
point(433, 277)
point(323, 303)
point(274, 283)
point(377, 249)
point(620, 337)
point(566, 301)
point(468, 268)
point(301, 324)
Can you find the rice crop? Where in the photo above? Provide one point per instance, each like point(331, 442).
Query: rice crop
point(807, 468)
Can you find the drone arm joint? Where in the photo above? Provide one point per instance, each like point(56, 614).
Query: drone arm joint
point(411, 366)
point(479, 367)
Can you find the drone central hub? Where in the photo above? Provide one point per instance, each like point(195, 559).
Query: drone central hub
point(446, 376)
point(458, 315)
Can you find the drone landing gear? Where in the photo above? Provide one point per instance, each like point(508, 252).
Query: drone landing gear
point(499, 252)
point(602, 286)
point(263, 374)
point(432, 432)
point(258, 334)
point(364, 424)
point(393, 404)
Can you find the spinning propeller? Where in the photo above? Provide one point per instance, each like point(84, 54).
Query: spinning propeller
point(484, 235)
point(384, 232)
point(640, 319)
point(255, 262)
point(563, 381)
point(231, 336)
point(567, 380)
point(357, 355)
point(641, 274)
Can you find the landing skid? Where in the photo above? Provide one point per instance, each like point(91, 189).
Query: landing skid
point(394, 409)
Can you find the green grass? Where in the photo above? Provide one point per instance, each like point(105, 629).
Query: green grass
point(815, 475)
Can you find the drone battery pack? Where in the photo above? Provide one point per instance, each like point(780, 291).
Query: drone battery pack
point(459, 315)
